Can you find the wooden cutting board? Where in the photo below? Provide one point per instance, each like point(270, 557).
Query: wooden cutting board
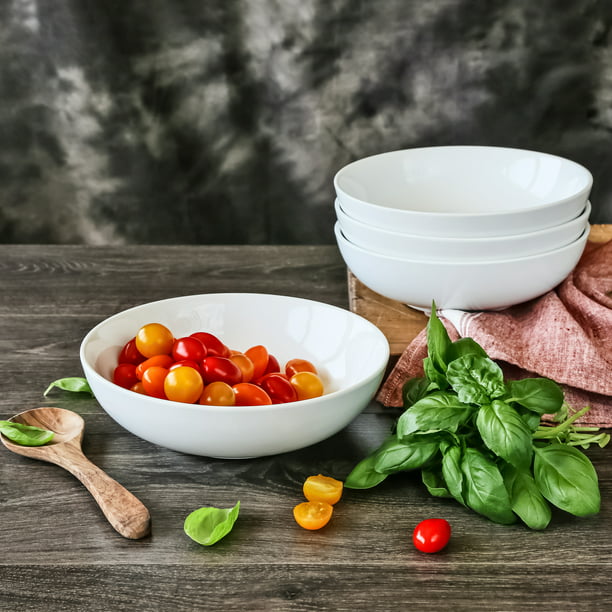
point(399, 322)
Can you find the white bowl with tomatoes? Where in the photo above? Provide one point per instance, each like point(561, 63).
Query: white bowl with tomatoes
point(234, 375)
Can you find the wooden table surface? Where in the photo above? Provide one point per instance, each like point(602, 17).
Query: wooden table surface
point(58, 553)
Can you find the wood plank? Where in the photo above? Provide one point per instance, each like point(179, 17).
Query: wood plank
point(399, 322)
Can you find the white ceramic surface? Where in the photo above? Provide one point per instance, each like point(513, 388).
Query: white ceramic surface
point(482, 285)
point(350, 353)
point(398, 244)
point(463, 190)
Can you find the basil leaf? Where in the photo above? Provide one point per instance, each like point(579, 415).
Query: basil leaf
point(527, 501)
point(566, 478)
point(26, 435)
point(476, 380)
point(413, 390)
point(464, 346)
point(396, 456)
point(436, 378)
point(452, 474)
point(530, 418)
point(505, 433)
point(541, 395)
point(438, 340)
point(208, 525)
point(438, 411)
point(74, 383)
point(363, 475)
point(435, 483)
point(485, 491)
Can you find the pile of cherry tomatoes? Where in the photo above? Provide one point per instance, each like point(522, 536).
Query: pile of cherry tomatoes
point(200, 368)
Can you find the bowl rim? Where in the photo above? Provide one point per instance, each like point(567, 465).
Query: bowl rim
point(471, 215)
point(583, 217)
point(208, 409)
point(340, 237)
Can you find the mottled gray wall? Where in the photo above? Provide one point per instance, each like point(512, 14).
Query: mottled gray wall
point(224, 121)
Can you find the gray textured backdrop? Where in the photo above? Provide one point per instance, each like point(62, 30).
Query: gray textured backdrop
point(224, 121)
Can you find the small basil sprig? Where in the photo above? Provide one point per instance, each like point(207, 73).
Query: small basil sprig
point(75, 384)
point(208, 525)
point(480, 440)
point(26, 435)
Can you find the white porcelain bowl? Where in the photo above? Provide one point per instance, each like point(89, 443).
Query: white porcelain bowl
point(463, 191)
point(350, 353)
point(398, 244)
point(468, 285)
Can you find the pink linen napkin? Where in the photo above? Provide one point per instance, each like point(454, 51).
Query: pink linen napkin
point(565, 335)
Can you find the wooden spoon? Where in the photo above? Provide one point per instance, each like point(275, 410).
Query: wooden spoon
point(124, 511)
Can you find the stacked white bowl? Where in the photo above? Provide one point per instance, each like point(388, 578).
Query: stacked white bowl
point(471, 227)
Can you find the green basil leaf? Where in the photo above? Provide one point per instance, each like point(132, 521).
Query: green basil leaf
point(530, 418)
point(567, 479)
point(505, 433)
point(363, 475)
point(208, 525)
point(438, 340)
point(75, 384)
point(395, 456)
point(541, 395)
point(414, 389)
point(452, 474)
point(435, 483)
point(26, 435)
point(435, 377)
point(527, 501)
point(484, 487)
point(464, 346)
point(438, 411)
point(476, 380)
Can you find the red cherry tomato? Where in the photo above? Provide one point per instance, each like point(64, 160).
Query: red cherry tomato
point(248, 394)
point(245, 365)
point(259, 356)
point(153, 381)
point(124, 375)
point(221, 368)
point(213, 345)
point(183, 384)
point(307, 385)
point(273, 365)
point(130, 354)
point(278, 388)
point(218, 394)
point(293, 366)
point(431, 535)
point(163, 361)
point(187, 363)
point(154, 339)
point(188, 348)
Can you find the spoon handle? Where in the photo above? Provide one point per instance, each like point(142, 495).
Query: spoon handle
point(123, 510)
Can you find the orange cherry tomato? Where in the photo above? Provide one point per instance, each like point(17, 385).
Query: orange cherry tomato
point(313, 514)
point(307, 385)
point(218, 393)
point(259, 356)
point(183, 384)
point(245, 364)
point(323, 488)
point(154, 339)
point(138, 388)
point(153, 381)
point(164, 361)
point(293, 366)
point(248, 394)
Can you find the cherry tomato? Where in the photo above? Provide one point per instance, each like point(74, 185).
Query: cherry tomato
point(307, 385)
point(273, 365)
point(218, 394)
point(124, 375)
point(138, 388)
point(189, 348)
point(278, 388)
point(154, 339)
point(323, 488)
point(245, 365)
point(431, 535)
point(248, 394)
point(259, 356)
point(213, 345)
point(293, 366)
point(313, 514)
point(164, 361)
point(130, 354)
point(183, 384)
point(186, 362)
point(221, 368)
point(153, 381)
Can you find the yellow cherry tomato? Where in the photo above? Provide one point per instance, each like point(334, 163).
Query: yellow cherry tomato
point(313, 514)
point(154, 339)
point(183, 384)
point(307, 385)
point(323, 488)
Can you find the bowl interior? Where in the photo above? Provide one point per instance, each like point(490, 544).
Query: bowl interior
point(466, 180)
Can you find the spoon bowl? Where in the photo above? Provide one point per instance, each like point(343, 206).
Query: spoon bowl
point(123, 510)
